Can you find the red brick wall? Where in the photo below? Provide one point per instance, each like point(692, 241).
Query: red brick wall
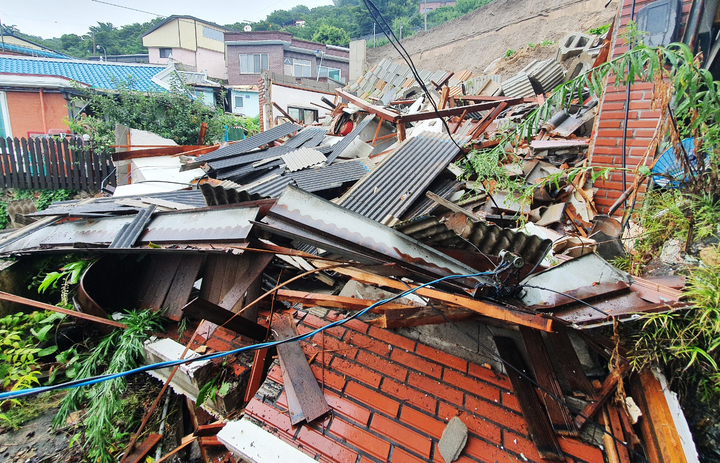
point(391, 398)
point(642, 120)
point(26, 115)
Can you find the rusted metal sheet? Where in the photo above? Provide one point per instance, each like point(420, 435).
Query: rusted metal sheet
point(228, 224)
point(307, 217)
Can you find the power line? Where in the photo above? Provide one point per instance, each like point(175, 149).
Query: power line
point(129, 8)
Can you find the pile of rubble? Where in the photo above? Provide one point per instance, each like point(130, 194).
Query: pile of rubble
point(291, 233)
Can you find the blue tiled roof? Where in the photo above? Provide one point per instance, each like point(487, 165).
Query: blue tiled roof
point(96, 74)
point(32, 51)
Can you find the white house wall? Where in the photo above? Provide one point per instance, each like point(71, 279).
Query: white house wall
point(289, 96)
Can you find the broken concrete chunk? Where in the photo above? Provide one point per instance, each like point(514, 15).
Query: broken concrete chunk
point(453, 440)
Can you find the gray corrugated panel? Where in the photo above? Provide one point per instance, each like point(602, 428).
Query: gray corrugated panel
point(247, 169)
point(518, 86)
point(392, 187)
point(256, 141)
point(442, 187)
point(316, 139)
point(302, 137)
point(548, 74)
point(342, 145)
point(113, 206)
point(249, 158)
point(216, 195)
point(487, 238)
point(302, 158)
point(332, 176)
point(130, 232)
point(273, 187)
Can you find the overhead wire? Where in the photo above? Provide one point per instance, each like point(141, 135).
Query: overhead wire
point(378, 18)
point(265, 345)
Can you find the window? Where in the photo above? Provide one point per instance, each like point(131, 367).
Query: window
point(253, 64)
point(297, 67)
point(165, 52)
point(238, 101)
point(213, 34)
point(333, 73)
point(5, 130)
point(302, 115)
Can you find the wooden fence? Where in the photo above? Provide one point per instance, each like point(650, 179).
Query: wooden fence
point(52, 164)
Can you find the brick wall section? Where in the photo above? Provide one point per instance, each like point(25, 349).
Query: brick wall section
point(26, 116)
point(391, 398)
point(642, 120)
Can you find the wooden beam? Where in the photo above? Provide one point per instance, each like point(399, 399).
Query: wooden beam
point(487, 309)
point(488, 119)
point(602, 395)
point(379, 111)
point(570, 365)
point(456, 111)
point(256, 374)
point(143, 449)
point(401, 131)
point(298, 378)
point(615, 425)
point(202, 309)
point(337, 302)
point(452, 206)
point(282, 111)
point(41, 305)
point(404, 318)
point(538, 423)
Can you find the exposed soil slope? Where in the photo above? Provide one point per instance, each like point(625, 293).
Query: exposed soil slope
point(473, 41)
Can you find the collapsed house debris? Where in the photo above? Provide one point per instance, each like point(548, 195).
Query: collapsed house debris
point(329, 236)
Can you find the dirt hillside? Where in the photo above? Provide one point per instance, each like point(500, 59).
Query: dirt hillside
point(473, 41)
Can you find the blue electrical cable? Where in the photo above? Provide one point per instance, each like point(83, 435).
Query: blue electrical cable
point(171, 363)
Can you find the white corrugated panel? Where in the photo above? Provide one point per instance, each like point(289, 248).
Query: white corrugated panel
point(302, 158)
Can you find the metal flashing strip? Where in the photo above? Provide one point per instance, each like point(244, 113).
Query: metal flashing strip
point(343, 144)
point(256, 141)
point(394, 185)
point(307, 216)
point(130, 232)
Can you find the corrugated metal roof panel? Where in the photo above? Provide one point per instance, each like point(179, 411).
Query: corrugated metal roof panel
point(256, 141)
point(304, 137)
point(332, 176)
point(239, 160)
point(391, 188)
point(302, 159)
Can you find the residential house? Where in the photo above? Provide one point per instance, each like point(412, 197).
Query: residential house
point(191, 43)
point(250, 53)
point(13, 45)
point(426, 7)
point(35, 93)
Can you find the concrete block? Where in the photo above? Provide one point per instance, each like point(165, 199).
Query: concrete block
point(453, 440)
point(190, 377)
point(574, 44)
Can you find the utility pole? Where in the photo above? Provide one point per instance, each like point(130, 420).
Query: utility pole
point(425, 12)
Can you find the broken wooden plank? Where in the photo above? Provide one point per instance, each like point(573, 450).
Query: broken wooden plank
point(456, 111)
point(487, 309)
point(41, 305)
point(539, 357)
point(404, 318)
point(537, 420)
point(488, 119)
point(336, 302)
point(160, 275)
point(209, 429)
point(232, 299)
point(379, 111)
point(182, 285)
point(452, 206)
point(143, 449)
point(570, 366)
point(662, 440)
point(297, 373)
point(202, 309)
point(184, 442)
point(603, 394)
point(256, 373)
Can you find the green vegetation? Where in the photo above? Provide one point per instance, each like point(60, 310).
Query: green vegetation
point(172, 115)
point(600, 30)
point(105, 413)
point(509, 53)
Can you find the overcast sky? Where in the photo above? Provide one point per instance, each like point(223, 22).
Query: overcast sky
point(53, 18)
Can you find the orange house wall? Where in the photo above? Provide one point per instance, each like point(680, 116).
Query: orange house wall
point(25, 112)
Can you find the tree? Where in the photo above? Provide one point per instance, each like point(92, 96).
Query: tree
point(331, 35)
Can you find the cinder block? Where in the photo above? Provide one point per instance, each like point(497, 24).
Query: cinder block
point(574, 44)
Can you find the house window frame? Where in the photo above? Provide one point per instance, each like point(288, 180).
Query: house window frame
point(324, 71)
point(242, 101)
point(213, 34)
point(255, 70)
point(290, 65)
point(165, 49)
point(296, 111)
point(5, 112)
